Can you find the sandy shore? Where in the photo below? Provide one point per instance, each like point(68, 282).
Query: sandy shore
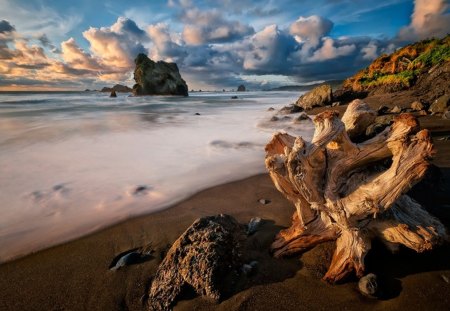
point(75, 275)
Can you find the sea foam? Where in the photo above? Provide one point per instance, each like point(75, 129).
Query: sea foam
point(72, 163)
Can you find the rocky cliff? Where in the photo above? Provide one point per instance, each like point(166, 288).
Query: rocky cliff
point(422, 67)
point(157, 78)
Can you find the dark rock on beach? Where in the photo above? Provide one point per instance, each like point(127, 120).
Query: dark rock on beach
point(205, 259)
point(318, 97)
point(157, 78)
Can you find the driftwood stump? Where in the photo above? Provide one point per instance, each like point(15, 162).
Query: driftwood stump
point(353, 192)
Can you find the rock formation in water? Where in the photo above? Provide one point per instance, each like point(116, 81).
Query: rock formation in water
point(157, 78)
point(241, 88)
point(319, 96)
point(352, 192)
point(119, 88)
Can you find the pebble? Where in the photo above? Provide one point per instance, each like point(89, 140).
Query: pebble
point(445, 278)
point(249, 268)
point(253, 225)
point(264, 201)
point(128, 259)
point(368, 285)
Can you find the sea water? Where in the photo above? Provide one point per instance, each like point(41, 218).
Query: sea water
point(72, 163)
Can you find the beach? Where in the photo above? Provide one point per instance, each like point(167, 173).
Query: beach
point(76, 275)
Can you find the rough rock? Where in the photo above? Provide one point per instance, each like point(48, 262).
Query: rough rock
point(318, 97)
point(118, 88)
point(303, 116)
point(417, 106)
point(396, 109)
point(157, 78)
point(253, 225)
point(113, 94)
point(358, 117)
point(423, 112)
point(249, 268)
point(335, 104)
point(382, 110)
point(291, 109)
point(241, 88)
point(446, 115)
point(205, 258)
point(264, 201)
point(380, 123)
point(274, 118)
point(271, 109)
point(440, 105)
point(234, 97)
point(368, 285)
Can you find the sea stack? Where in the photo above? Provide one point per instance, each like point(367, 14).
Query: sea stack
point(157, 78)
point(241, 88)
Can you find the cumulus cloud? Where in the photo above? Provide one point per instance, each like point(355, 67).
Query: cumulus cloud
point(117, 45)
point(77, 57)
point(165, 46)
point(330, 51)
point(6, 27)
point(211, 27)
point(311, 28)
point(430, 18)
point(370, 51)
point(268, 50)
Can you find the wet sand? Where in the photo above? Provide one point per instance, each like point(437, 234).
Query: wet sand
point(75, 275)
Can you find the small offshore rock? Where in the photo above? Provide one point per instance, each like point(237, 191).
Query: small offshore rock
point(141, 190)
point(234, 97)
point(241, 88)
point(303, 116)
point(274, 118)
point(368, 285)
point(271, 109)
point(253, 225)
point(197, 114)
point(264, 201)
point(417, 106)
point(286, 118)
point(113, 94)
point(396, 109)
point(291, 109)
point(382, 110)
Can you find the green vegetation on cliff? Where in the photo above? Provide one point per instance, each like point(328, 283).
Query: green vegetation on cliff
point(402, 68)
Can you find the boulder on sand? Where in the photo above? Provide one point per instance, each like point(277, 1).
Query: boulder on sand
point(318, 97)
point(205, 259)
point(157, 78)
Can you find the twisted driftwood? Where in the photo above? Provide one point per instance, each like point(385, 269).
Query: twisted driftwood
point(346, 192)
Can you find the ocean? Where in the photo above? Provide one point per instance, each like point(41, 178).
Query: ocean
point(74, 162)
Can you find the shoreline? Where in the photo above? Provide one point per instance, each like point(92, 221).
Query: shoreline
point(75, 275)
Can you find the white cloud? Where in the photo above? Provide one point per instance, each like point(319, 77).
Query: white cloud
point(211, 27)
point(117, 45)
point(311, 28)
point(430, 18)
point(330, 51)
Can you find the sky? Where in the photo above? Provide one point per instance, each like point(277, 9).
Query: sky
point(74, 45)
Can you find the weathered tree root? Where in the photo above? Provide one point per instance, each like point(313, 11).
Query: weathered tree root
point(341, 190)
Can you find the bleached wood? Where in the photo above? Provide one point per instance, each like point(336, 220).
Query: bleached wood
point(341, 192)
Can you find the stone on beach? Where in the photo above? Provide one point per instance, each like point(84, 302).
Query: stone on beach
point(205, 258)
point(318, 97)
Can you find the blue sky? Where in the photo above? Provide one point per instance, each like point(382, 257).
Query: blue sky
point(50, 44)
